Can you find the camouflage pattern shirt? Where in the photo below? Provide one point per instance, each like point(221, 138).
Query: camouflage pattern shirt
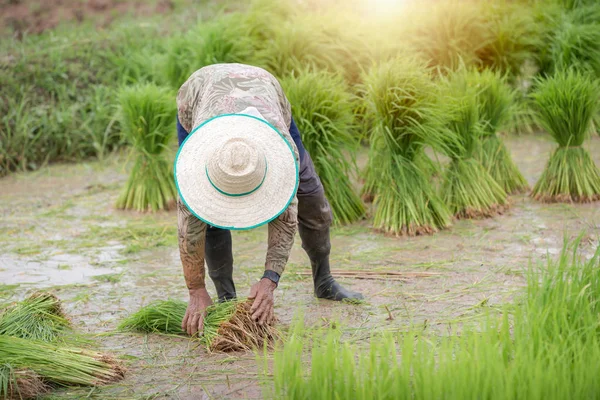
point(231, 88)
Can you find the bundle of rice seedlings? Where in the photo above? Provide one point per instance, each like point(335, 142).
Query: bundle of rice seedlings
point(323, 110)
point(496, 102)
point(229, 327)
point(60, 365)
point(225, 39)
point(565, 105)
point(147, 116)
point(401, 95)
point(38, 317)
point(313, 42)
point(447, 33)
point(20, 384)
point(513, 36)
point(163, 316)
point(467, 188)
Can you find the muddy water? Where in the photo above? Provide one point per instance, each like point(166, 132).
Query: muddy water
point(59, 230)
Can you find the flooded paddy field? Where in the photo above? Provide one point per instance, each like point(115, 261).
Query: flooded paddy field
point(59, 231)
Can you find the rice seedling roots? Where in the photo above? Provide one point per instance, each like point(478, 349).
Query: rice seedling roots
point(242, 333)
point(22, 384)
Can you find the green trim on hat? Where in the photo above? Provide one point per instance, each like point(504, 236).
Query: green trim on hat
point(237, 194)
point(231, 227)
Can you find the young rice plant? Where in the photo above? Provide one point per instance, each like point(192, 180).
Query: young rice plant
point(323, 111)
point(496, 102)
point(147, 116)
point(467, 188)
point(543, 347)
point(565, 105)
point(401, 95)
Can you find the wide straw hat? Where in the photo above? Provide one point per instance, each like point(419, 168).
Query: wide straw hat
point(236, 171)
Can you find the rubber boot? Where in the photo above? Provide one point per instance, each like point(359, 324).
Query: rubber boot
point(219, 259)
point(314, 219)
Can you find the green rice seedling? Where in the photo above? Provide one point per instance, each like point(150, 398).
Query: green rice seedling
point(577, 46)
point(38, 317)
point(513, 37)
point(20, 384)
point(543, 346)
point(565, 105)
point(496, 105)
point(227, 38)
point(147, 116)
point(448, 33)
point(164, 316)
point(60, 365)
point(323, 110)
point(468, 189)
point(401, 96)
point(228, 326)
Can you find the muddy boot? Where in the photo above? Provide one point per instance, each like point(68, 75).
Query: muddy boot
point(219, 259)
point(317, 245)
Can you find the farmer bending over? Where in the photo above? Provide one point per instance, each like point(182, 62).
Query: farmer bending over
point(242, 166)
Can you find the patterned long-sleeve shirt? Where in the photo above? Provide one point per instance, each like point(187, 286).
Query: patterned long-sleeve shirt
point(231, 88)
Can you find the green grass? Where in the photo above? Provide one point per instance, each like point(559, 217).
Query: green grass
point(565, 104)
point(543, 346)
point(323, 111)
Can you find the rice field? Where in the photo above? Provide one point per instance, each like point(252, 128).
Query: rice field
point(427, 148)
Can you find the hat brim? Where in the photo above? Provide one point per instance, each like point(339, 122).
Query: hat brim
point(236, 212)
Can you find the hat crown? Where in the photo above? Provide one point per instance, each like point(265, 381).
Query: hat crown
point(237, 168)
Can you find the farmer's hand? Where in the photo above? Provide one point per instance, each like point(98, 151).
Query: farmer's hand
point(262, 307)
point(193, 321)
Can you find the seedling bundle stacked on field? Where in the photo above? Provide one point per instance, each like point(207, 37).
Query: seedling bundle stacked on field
point(565, 105)
point(401, 95)
point(468, 189)
point(323, 111)
point(228, 326)
point(148, 117)
point(496, 102)
point(36, 353)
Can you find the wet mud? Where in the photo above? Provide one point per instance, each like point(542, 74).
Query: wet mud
point(60, 231)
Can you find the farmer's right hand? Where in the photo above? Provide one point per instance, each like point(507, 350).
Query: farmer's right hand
point(193, 321)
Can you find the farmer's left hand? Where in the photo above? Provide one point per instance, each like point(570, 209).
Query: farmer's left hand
point(262, 307)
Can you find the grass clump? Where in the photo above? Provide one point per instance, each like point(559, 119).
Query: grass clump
point(38, 317)
point(147, 116)
point(543, 346)
point(164, 316)
point(496, 101)
point(323, 110)
point(468, 189)
point(401, 97)
point(565, 105)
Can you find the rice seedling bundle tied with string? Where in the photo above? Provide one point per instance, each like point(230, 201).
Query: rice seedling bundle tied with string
point(467, 188)
point(38, 317)
point(565, 105)
point(323, 110)
point(147, 115)
point(496, 100)
point(401, 96)
point(228, 326)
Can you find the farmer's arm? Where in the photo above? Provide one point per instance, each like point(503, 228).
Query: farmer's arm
point(281, 239)
point(191, 235)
